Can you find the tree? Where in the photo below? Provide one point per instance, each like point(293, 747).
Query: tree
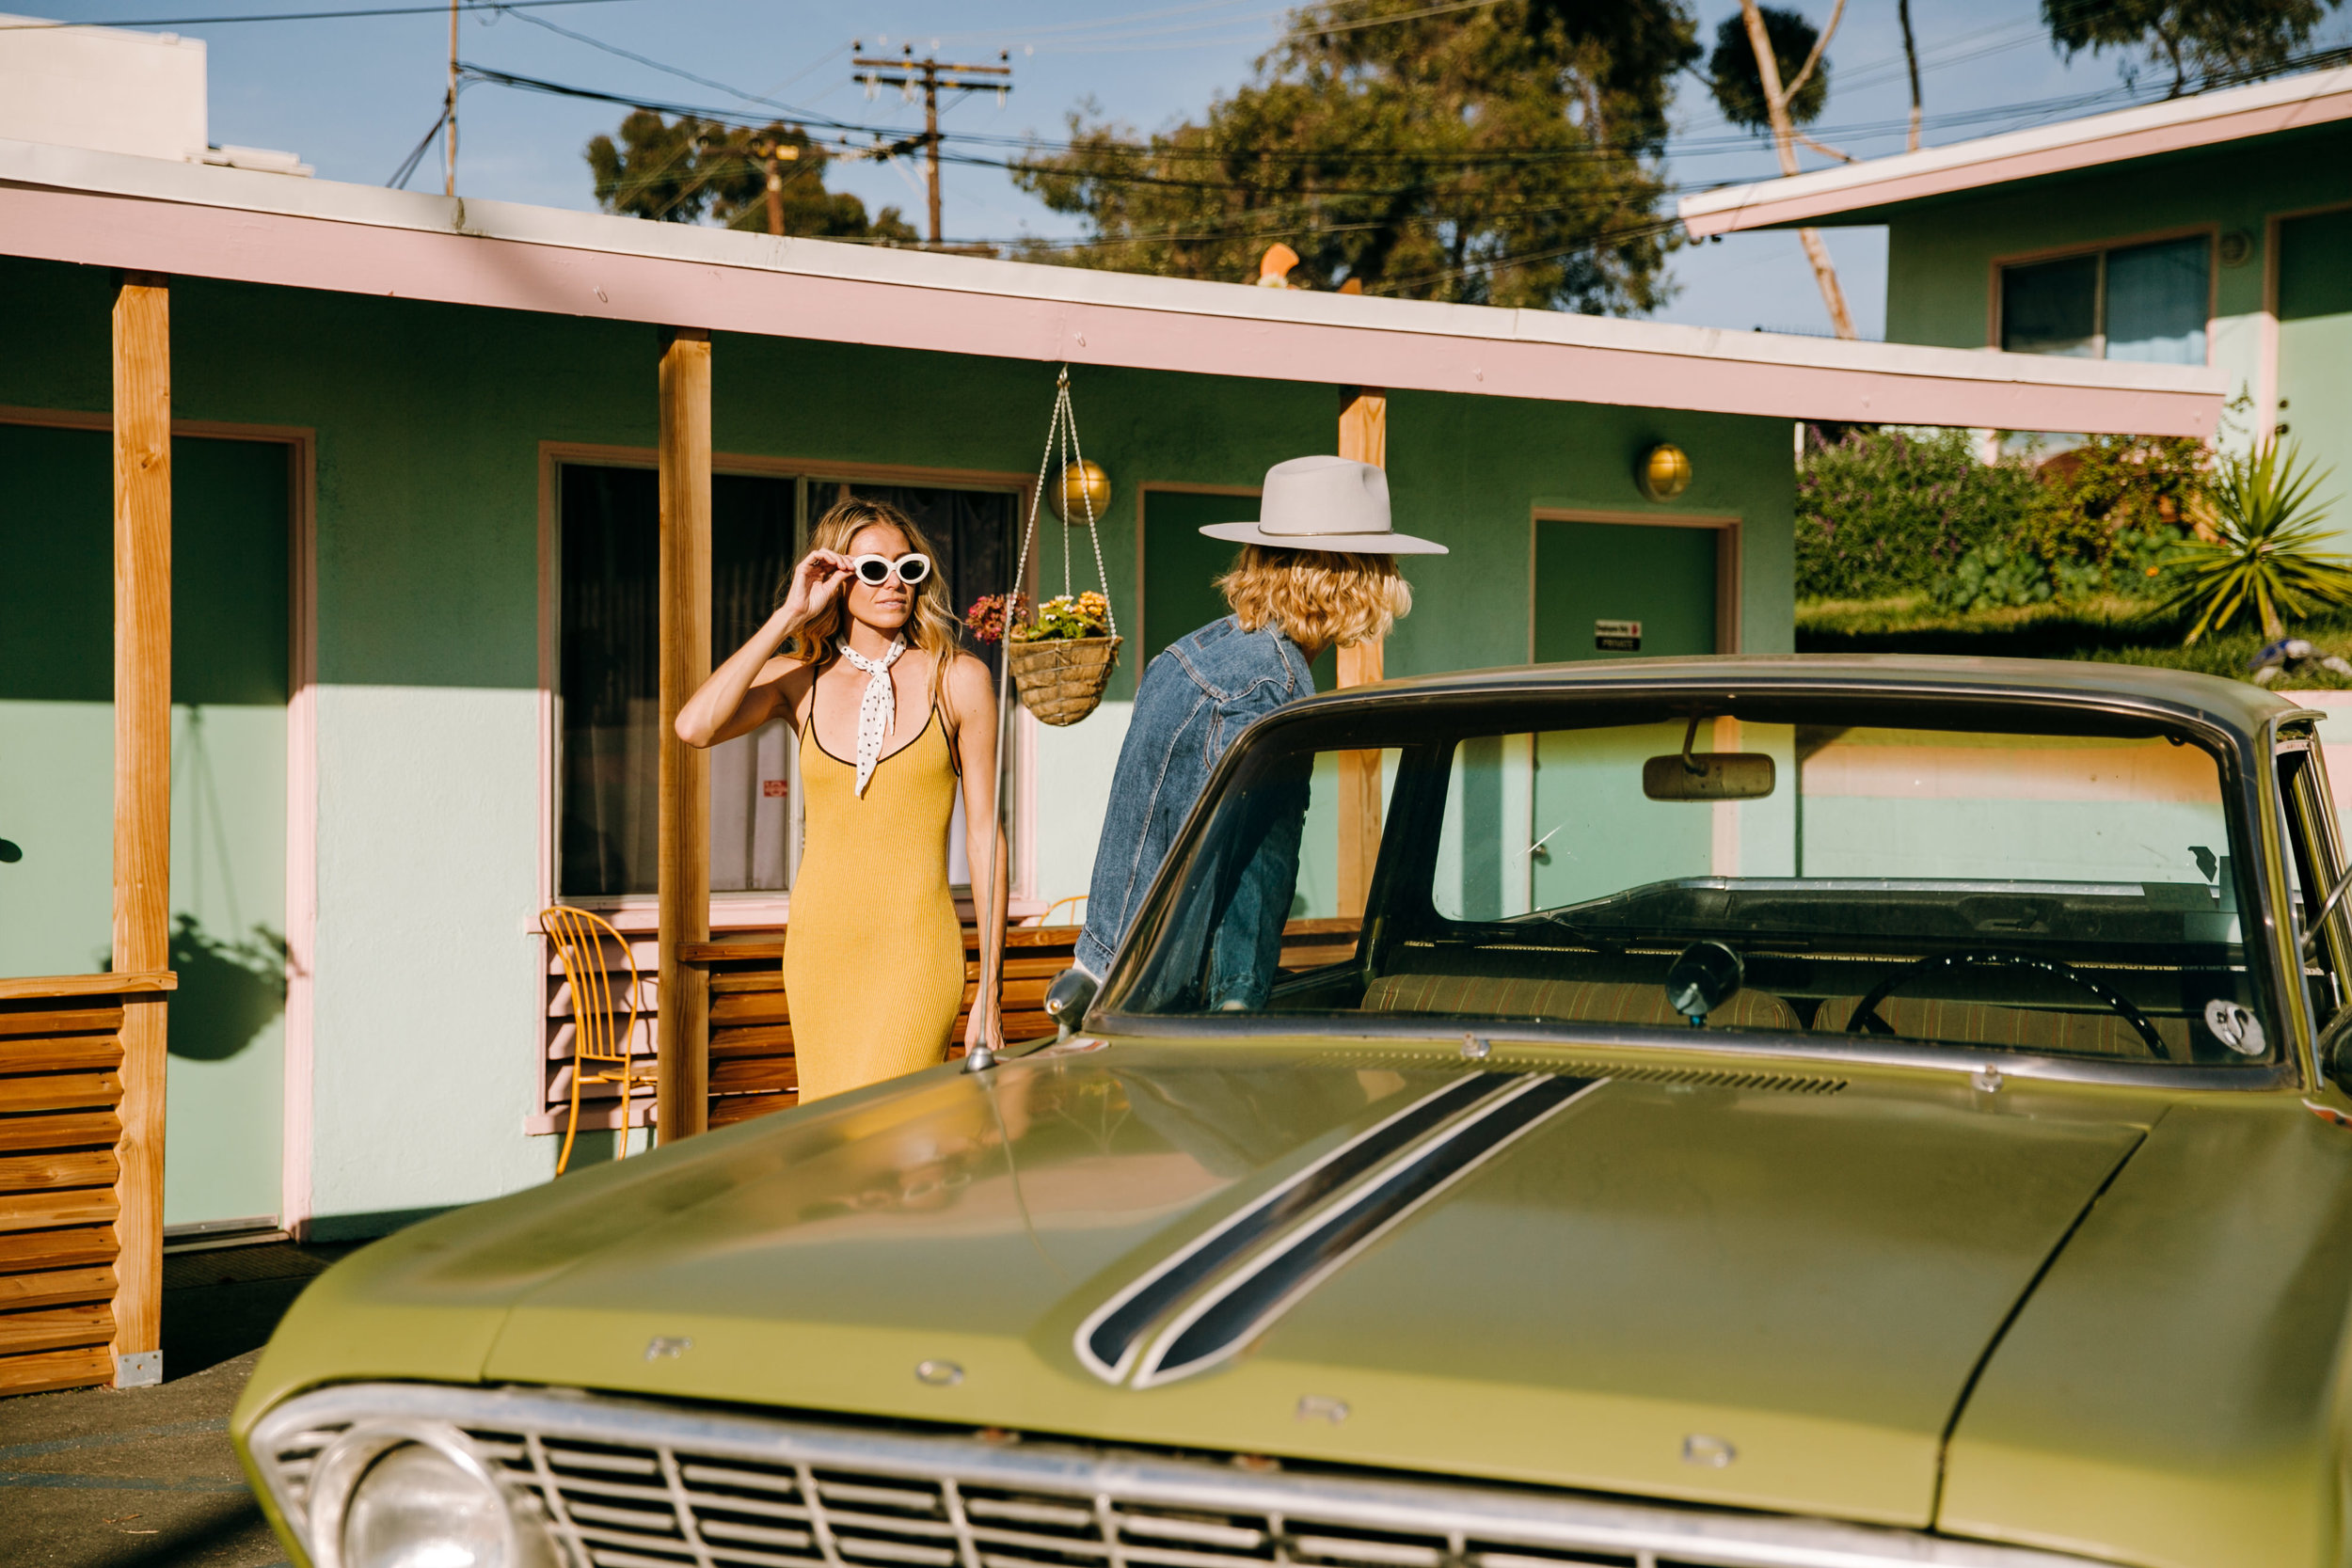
point(1505, 154)
point(2193, 38)
point(1782, 79)
point(773, 179)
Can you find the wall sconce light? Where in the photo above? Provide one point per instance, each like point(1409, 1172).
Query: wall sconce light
point(1663, 472)
point(1084, 490)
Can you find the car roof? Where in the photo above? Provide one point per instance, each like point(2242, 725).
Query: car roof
point(2235, 705)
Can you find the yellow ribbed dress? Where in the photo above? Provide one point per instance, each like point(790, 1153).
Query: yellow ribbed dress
point(873, 957)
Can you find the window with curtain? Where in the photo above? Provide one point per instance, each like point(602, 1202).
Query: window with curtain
point(610, 666)
point(2143, 302)
point(608, 662)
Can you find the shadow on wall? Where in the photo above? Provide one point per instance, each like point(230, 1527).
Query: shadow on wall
point(230, 992)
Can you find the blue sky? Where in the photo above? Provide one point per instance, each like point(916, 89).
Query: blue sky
point(352, 96)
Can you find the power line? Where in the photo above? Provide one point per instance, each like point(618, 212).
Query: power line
point(301, 16)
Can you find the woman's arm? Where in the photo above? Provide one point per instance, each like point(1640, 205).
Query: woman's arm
point(750, 687)
point(971, 697)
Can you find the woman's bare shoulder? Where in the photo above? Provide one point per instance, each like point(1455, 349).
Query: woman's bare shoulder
point(968, 682)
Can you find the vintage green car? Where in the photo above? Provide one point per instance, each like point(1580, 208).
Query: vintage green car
point(1797, 1112)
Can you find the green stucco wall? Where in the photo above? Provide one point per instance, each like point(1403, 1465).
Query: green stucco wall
point(428, 422)
point(1941, 254)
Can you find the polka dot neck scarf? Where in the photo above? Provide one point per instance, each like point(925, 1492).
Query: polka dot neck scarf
point(878, 710)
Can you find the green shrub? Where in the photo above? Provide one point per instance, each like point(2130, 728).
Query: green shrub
point(1888, 511)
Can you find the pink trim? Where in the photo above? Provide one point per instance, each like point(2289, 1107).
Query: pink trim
point(302, 830)
point(2089, 143)
point(1633, 364)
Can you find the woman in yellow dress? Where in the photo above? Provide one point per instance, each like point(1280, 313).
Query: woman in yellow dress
point(892, 720)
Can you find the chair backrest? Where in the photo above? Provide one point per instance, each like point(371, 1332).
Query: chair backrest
point(581, 940)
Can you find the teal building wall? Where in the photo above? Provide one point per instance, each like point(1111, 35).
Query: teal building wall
point(2280, 322)
point(425, 983)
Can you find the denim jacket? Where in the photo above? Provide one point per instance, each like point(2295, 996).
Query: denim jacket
point(1193, 699)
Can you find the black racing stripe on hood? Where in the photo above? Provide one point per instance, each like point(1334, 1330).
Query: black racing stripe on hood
point(1115, 1335)
point(1263, 1294)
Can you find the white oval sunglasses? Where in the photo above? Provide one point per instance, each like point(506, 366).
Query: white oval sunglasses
point(874, 570)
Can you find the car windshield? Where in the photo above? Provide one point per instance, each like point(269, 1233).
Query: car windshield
point(2057, 882)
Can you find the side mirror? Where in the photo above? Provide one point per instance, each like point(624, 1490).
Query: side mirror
point(1069, 997)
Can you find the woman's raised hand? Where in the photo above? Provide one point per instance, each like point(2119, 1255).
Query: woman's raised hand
point(820, 578)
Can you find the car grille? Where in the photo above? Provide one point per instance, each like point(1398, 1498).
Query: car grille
point(624, 1484)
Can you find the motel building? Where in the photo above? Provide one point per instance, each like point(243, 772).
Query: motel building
point(352, 537)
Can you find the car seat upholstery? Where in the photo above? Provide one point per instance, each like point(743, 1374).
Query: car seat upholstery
point(1563, 1001)
point(2099, 1034)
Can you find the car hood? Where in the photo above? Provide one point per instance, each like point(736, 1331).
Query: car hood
point(1761, 1288)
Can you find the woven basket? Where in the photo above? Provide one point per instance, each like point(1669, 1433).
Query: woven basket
point(1061, 679)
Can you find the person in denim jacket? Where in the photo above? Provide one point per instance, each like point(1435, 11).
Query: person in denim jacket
point(1318, 569)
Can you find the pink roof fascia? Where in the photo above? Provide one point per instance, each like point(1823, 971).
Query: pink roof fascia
point(103, 210)
point(2207, 120)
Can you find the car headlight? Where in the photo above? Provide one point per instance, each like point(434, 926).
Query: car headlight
point(418, 1495)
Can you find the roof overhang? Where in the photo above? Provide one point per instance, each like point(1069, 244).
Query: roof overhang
point(2177, 125)
point(148, 215)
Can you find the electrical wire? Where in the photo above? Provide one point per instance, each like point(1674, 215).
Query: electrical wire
point(300, 16)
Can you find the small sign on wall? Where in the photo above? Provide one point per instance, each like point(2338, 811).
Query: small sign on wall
point(1617, 637)
point(776, 789)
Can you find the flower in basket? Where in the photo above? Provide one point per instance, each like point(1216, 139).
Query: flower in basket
point(1067, 617)
point(986, 618)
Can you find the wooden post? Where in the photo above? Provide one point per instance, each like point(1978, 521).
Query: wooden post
point(682, 1107)
point(1364, 437)
point(142, 850)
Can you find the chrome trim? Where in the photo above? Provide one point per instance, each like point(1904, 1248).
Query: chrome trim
point(1101, 1500)
point(1304, 1030)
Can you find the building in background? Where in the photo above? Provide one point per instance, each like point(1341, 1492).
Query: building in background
point(416, 595)
point(2215, 229)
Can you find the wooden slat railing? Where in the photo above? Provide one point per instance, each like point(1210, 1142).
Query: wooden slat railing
point(751, 1070)
point(61, 1262)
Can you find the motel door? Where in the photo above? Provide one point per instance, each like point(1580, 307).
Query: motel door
point(1607, 591)
point(225, 1105)
point(2315, 342)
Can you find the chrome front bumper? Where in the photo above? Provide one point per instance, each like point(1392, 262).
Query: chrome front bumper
point(622, 1484)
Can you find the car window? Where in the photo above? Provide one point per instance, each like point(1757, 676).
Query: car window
point(2057, 887)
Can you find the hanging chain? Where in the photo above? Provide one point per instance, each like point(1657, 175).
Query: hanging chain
point(1062, 439)
point(1087, 492)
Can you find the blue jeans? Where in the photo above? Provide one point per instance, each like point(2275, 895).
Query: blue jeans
point(1196, 696)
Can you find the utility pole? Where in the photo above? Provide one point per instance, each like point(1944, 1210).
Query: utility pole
point(449, 108)
point(774, 152)
point(935, 74)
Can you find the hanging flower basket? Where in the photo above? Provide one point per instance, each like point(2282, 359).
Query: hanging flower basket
point(1061, 679)
point(1062, 657)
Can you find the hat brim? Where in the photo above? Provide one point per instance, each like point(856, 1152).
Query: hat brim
point(1343, 544)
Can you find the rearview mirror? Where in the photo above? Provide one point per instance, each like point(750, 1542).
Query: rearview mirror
point(1710, 776)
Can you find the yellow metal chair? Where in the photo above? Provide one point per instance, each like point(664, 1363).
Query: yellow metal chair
point(598, 1055)
point(1048, 918)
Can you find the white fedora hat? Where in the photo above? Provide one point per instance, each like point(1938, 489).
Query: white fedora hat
point(1325, 503)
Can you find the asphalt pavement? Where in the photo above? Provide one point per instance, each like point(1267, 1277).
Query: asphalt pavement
point(142, 1477)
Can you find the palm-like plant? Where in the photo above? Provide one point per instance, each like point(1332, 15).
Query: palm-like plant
point(2266, 556)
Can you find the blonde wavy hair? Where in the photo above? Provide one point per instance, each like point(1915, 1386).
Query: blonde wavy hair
point(1320, 598)
point(933, 627)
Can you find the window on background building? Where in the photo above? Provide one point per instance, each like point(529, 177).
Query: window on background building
point(2144, 301)
point(608, 740)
